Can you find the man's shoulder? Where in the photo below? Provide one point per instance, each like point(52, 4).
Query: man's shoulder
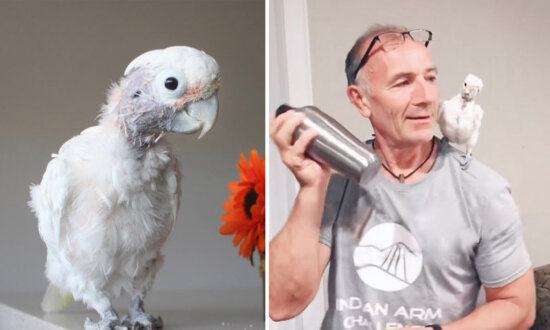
point(475, 179)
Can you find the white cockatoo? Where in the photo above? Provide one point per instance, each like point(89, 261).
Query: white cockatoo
point(109, 198)
point(460, 117)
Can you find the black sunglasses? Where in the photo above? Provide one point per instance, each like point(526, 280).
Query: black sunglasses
point(399, 37)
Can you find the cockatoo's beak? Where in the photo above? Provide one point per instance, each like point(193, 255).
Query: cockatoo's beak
point(198, 115)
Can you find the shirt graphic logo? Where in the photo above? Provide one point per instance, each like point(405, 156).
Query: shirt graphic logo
point(388, 257)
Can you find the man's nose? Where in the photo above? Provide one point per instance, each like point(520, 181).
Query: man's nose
point(424, 92)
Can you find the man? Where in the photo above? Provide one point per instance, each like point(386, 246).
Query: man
point(416, 244)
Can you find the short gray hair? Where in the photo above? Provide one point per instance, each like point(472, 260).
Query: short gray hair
point(354, 57)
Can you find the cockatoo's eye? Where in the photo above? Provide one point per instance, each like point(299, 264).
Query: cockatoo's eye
point(465, 84)
point(170, 85)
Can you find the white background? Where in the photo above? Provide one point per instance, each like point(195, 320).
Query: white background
point(501, 41)
point(57, 60)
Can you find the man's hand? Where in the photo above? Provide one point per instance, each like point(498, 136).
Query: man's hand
point(296, 257)
point(307, 171)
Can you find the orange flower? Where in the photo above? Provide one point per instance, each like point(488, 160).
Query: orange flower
point(245, 209)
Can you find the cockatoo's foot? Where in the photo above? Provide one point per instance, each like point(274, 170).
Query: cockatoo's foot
point(145, 321)
point(109, 322)
point(465, 161)
point(140, 320)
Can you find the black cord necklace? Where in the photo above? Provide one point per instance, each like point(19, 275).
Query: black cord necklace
point(401, 177)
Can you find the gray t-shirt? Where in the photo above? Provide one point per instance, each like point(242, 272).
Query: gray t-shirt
point(416, 254)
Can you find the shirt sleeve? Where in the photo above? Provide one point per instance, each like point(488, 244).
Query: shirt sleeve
point(333, 202)
point(501, 255)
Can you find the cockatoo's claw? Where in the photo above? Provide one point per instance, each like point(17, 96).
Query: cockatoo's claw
point(140, 320)
point(465, 161)
point(145, 321)
point(121, 327)
point(125, 322)
point(105, 324)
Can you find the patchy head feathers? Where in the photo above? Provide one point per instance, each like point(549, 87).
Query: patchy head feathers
point(472, 86)
point(166, 90)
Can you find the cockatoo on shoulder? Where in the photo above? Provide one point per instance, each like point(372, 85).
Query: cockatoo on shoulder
point(109, 198)
point(460, 117)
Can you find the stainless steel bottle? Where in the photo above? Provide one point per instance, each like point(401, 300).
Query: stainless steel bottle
point(335, 146)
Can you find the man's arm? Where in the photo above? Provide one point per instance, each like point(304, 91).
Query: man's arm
point(296, 257)
point(511, 307)
point(501, 253)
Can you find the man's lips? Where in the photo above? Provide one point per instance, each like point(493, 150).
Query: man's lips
point(418, 117)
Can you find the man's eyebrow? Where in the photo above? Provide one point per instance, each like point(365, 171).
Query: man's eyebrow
point(398, 76)
point(432, 69)
point(407, 74)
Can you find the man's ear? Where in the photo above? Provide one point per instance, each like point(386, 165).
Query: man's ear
point(359, 99)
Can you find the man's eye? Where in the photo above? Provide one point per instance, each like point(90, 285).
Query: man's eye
point(431, 78)
point(402, 83)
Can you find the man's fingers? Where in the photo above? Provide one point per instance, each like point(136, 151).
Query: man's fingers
point(284, 128)
point(278, 121)
point(303, 142)
point(292, 152)
point(294, 156)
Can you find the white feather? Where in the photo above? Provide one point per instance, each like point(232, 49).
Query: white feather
point(55, 300)
point(100, 232)
point(460, 117)
point(109, 198)
point(196, 64)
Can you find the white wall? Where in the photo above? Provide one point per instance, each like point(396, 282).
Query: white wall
point(289, 82)
point(57, 59)
point(503, 42)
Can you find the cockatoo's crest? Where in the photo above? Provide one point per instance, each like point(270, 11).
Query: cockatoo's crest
point(142, 60)
point(474, 81)
point(472, 87)
point(198, 66)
